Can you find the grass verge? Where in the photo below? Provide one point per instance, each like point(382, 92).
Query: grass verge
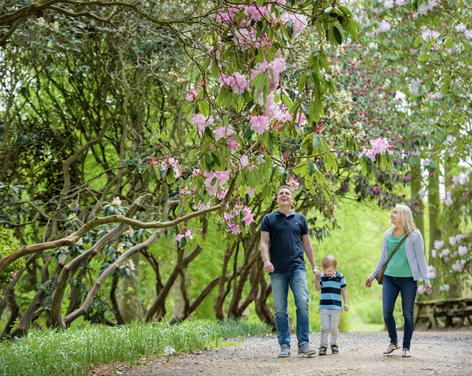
point(73, 352)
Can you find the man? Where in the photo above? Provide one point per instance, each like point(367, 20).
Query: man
point(284, 235)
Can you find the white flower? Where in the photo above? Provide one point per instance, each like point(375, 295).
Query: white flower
point(458, 266)
point(444, 287)
point(169, 350)
point(438, 244)
point(444, 253)
point(431, 271)
point(462, 250)
point(434, 252)
point(452, 240)
point(461, 28)
point(383, 26)
point(448, 199)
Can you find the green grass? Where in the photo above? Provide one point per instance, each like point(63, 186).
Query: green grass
point(72, 352)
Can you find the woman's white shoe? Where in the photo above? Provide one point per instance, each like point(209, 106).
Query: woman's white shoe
point(406, 353)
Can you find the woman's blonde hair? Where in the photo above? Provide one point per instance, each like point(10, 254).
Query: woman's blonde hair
point(406, 217)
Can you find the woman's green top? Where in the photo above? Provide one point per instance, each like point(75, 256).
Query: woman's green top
point(398, 266)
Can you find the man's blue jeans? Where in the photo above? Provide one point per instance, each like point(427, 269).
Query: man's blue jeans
point(280, 282)
point(407, 287)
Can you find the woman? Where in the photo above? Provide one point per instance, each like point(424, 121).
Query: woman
point(406, 267)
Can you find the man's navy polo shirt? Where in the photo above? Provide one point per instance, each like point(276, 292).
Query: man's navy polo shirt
point(286, 244)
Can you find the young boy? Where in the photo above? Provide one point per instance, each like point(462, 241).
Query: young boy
point(332, 286)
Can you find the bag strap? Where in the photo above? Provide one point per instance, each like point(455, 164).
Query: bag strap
point(396, 248)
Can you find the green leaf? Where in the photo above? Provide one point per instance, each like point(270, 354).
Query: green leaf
point(204, 108)
point(352, 27)
point(338, 35)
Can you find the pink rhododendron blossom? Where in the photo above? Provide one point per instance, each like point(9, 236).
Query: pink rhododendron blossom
point(248, 218)
point(378, 146)
point(236, 81)
point(293, 183)
point(250, 191)
point(462, 250)
point(245, 38)
point(401, 2)
point(202, 206)
point(222, 194)
point(244, 161)
point(298, 22)
point(184, 234)
point(256, 12)
point(191, 95)
point(169, 162)
point(196, 172)
point(283, 115)
point(232, 144)
point(224, 132)
point(300, 118)
point(229, 16)
point(234, 228)
point(153, 161)
point(215, 179)
point(259, 124)
point(272, 70)
point(202, 122)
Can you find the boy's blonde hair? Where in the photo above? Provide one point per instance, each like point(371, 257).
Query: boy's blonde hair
point(329, 261)
point(406, 216)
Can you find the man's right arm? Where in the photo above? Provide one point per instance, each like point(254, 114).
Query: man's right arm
point(268, 267)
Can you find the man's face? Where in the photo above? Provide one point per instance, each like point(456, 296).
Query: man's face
point(284, 197)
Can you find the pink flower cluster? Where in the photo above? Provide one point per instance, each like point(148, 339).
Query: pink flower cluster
point(259, 123)
point(297, 21)
point(191, 96)
point(272, 69)
point(214, 180)
point(202, 122)
point(239, 210)
point(293, 183)
point(236, 81)
point(169, 162)
point(224, 132)
point(184, 234)
point(378, 146)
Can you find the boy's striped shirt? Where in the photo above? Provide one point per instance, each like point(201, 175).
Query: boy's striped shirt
point(331, 291)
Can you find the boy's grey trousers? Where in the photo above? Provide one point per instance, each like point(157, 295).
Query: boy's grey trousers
point(329, 320)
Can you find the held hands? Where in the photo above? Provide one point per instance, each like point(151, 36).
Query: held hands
point(368, 282)
point(268, 267)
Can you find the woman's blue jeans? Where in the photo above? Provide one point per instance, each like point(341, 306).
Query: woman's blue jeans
point(280, 282)
point(407, 287)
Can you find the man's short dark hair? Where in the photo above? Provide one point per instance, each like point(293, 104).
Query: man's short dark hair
point(284, 187)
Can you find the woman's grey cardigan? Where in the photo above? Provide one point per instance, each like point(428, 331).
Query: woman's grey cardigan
point(414, 247)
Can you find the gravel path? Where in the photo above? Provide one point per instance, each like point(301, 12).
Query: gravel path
point(434, 353)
